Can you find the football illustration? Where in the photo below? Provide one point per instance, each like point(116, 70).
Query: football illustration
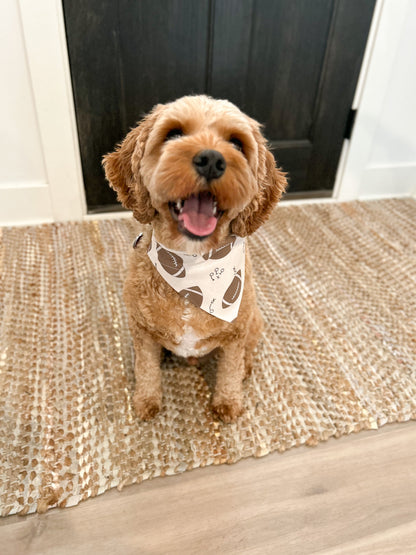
point(233, 291)
point(221, 252)
point(171, 262)
point(193, 294)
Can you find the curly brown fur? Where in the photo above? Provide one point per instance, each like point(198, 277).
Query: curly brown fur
point(149, 171)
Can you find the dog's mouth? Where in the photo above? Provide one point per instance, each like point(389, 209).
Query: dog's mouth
point(197, 215)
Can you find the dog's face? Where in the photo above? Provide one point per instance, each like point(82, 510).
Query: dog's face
point(198, 169)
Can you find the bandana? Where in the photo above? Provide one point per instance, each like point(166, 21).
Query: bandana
point(213, 281)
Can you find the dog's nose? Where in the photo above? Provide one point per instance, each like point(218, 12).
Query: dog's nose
point(209, 163)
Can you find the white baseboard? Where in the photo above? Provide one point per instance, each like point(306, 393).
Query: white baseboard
point(25, 204)
point(381, 181)
point(108, 215)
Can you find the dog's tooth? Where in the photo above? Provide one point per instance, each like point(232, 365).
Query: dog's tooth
point(179, 205)
point(214, 211)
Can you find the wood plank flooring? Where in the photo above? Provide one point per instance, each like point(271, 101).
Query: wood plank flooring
point(355, 495)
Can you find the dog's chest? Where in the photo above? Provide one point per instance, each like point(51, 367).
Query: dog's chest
point(188, 344)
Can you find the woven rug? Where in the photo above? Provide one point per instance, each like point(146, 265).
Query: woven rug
point(337, 287)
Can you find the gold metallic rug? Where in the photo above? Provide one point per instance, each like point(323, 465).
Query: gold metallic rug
point(336, 284)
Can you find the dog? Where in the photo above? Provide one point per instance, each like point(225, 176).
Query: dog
point(197, 170)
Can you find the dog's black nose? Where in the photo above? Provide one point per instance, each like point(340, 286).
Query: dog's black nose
point(209, 163)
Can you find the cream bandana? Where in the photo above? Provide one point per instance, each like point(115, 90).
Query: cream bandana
point(213, 281)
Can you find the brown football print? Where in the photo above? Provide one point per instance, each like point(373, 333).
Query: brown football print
point(170, 262)
point(193, 294)
point(221, 252)
point(233, 291)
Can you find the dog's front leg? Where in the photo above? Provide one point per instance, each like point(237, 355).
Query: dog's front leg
point(227, 401)
point(147, 398)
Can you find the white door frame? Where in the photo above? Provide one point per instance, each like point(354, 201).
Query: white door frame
point(47, 55)
point(44, 34)
point(355, 169)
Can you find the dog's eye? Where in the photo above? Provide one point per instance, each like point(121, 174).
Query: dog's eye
point(237, 143)
point(174, 134)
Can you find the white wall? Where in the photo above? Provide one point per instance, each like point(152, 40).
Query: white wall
point(395, 138)
point(19, 140)
point(23, 190)
point(381, 158)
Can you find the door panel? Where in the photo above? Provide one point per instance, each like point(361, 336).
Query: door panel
point(282, 71)
point(294, 158)
point(126, 56)
point(292, 65)
point(163, 51)
point(346, 43)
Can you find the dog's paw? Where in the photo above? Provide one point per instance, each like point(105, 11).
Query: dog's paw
point(146, 407)
point(227, 409)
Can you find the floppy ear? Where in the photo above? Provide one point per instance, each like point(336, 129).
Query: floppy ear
point(271, 184)
point(122, 169)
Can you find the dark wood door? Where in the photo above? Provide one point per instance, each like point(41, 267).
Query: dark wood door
point(291, 64)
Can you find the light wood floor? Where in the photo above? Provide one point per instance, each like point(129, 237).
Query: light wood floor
point(354, 495)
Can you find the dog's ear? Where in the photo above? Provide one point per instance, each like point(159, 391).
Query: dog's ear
point(122, 170)
point(271, 182)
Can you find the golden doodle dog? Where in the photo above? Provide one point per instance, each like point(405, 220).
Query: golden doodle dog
point(199, 172)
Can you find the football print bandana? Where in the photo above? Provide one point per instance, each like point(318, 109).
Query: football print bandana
point(213, 281)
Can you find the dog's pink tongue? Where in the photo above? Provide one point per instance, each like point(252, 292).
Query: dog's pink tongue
point(197, 215)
